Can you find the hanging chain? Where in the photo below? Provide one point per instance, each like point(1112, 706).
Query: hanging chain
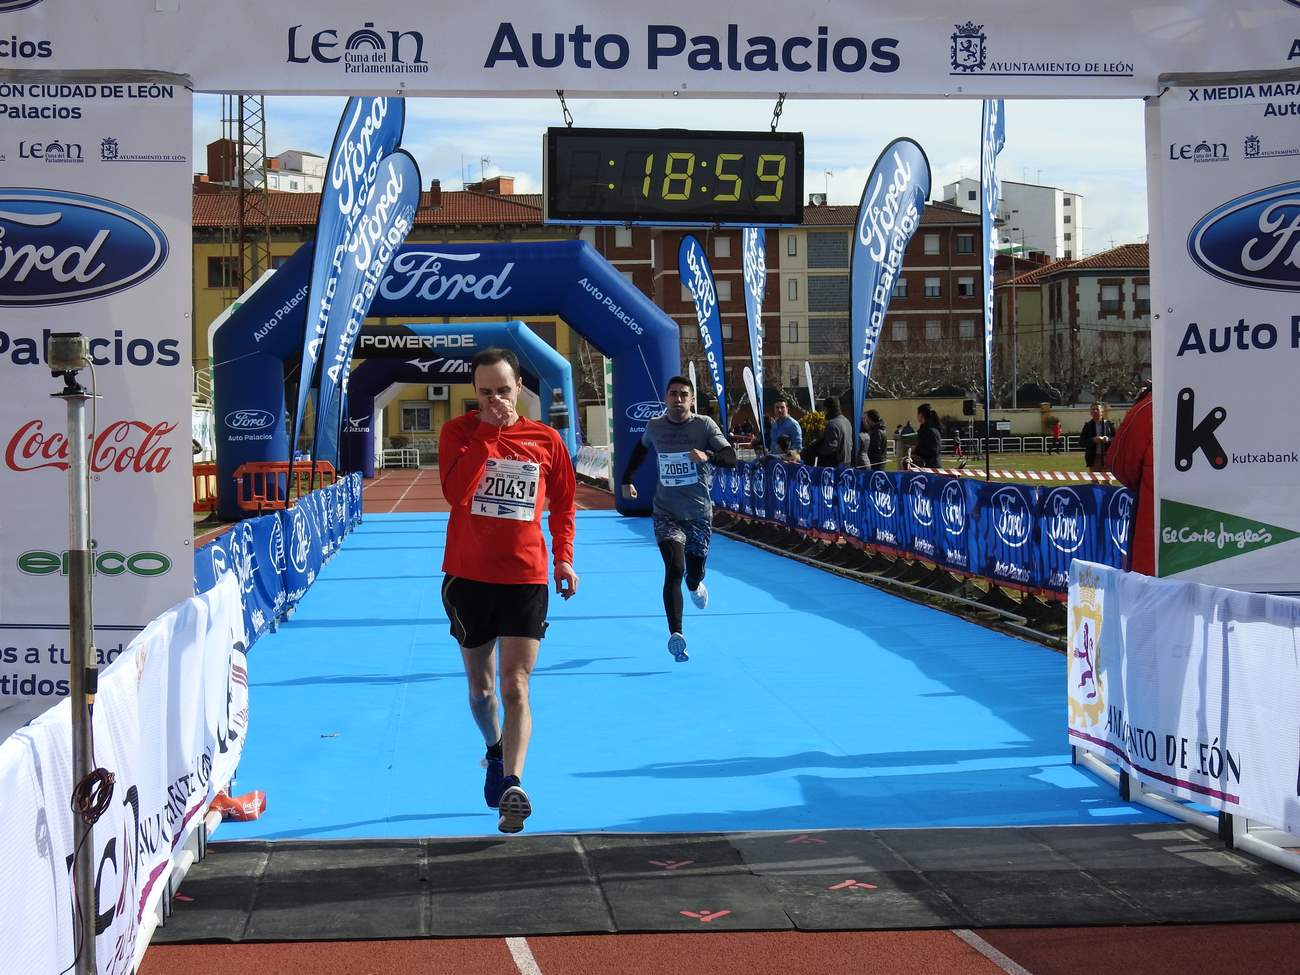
point(568, 116)
point(776, 112)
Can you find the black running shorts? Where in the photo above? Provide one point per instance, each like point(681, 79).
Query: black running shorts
point(482, 611)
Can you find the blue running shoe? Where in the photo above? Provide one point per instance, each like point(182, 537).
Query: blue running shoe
point(494, 783)
point(677, 647)
point(515, 808)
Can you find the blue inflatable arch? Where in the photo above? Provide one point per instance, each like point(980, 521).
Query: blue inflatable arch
point(428, 280)
point(544, 371)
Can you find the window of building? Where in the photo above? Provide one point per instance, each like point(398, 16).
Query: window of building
point(622, 236)
point(1142, 299)
point(1069, 255)
point(279, 260)
point(971, 194)
point(966, 287)
point(791, 332)
point(628, 277)
point(900, 288)
point(932, 288)
point(726, 331)
point(293, 184)
point(933, 330)
point(932, 243)
point(792, 245)
point(686, 294)
point(1066, 218)
point(966, 328)
point(721, 246)
point(417, 417)
point(223, 272)
point(1067, 236)
point(899, 331)
point(965, 243)
point(1068, 201)
point(724, 290)
point(792, 289)
point(1111, 300)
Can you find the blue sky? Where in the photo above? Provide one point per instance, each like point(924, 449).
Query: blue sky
point(1093, 147)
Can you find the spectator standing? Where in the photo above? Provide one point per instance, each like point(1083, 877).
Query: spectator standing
point(929, 438)
point(784, 425)
point(1097, 436)
point(871, 451)
point(1058, 438)
point(835, 445)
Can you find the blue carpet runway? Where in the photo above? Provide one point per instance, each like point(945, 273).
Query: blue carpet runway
point(809, 702)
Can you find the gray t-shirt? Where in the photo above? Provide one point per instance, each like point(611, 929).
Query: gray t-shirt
point(683, 488)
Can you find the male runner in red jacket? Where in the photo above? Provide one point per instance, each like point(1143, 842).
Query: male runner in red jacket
point(499, 471)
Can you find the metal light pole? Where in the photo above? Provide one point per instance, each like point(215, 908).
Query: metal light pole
point(1015, 331)
point(67, 354)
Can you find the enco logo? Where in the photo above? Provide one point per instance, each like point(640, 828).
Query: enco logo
point(952, 508)
point(58, 247)
point(803, 487)
point(1119, 514)
point(144, 564)
point(1253, 240)
point(882, 494)
point(922, 508)
point(645, 410)
point(1010, 517)
point(249, 419)
point(1064, 520)
point(275, 547)
point(299, 540)
point(849, 491)
point(828, 485)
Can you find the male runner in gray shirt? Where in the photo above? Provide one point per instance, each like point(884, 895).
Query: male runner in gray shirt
point(687, 445)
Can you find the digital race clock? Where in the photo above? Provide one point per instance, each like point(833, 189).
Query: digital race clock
point(665, 176)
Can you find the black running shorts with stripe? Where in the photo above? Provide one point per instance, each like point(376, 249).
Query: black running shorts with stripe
point(482, 611)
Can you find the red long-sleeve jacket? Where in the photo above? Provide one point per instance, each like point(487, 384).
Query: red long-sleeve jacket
point(1131, 461)
point(495, 533)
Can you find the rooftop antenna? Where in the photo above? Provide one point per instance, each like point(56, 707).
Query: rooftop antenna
point(483, 163)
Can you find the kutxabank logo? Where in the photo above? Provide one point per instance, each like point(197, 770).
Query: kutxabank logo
point(58, 247)
point(1252, 240)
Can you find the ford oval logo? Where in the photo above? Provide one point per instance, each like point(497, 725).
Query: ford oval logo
point(1011, 518)
point(249, 419)
point(58, 247)
point(646, 410)
point(1253, 240)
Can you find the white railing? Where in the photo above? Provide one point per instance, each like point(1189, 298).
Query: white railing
point(399, 457)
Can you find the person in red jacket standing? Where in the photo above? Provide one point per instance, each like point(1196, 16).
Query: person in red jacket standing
point(1132, 462)
point(499, 472)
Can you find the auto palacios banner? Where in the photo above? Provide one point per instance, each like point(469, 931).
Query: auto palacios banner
point(369, 130)
point(385, 220)
point(992, 138)
point(698, 278)
point(754, 261)
point(890, 212)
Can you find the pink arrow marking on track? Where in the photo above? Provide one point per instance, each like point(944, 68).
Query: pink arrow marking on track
point(704, 915)
point(851, 885)
point(671, 864)
point(805, 838)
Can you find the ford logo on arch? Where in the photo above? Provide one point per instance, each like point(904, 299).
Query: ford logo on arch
point(646, 410)
point(1253, 240)
point(249, 419)
point(58, 247)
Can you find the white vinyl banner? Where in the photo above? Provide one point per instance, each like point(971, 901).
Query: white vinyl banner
point(1192, 689)
point(170, 724)
point(95, 219)
point(853, 48)
point(1224, 176)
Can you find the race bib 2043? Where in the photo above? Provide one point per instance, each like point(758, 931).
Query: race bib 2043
point(508, 490)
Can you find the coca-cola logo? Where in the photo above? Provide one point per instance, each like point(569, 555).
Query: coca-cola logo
point(58, 247)
point(122, 447)
point(249, 419)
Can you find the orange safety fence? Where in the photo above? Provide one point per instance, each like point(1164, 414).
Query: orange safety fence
point(264, 486)
point(205, 486)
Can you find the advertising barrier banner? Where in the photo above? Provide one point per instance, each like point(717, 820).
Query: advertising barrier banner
point(95, 218)
point(1107, 48)
point(1224, 205)
point(1192, 689)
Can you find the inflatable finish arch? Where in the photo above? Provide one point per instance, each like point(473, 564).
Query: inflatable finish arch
point(544, 370)
point(565, 278)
